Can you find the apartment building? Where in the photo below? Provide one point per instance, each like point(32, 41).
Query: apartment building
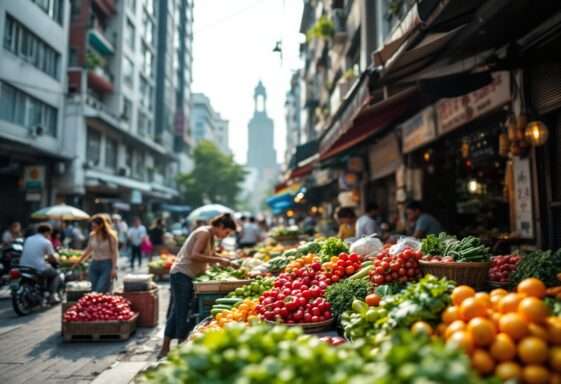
point(208, 124)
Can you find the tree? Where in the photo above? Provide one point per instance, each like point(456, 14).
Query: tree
point(216, 177)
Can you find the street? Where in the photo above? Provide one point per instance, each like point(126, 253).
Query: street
point(32, 349)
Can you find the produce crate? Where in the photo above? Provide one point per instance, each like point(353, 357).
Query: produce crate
point(159, 273)
point(219, 286)
point(63, 308)
point(146, 303)
point(99, 330)
point(205, 301)
point(74, 295)
point(472, 274)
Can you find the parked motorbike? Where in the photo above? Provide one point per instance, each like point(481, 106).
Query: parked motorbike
point(9, 258)
point(29, 290)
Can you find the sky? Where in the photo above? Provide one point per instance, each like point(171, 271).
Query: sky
point(233, 50)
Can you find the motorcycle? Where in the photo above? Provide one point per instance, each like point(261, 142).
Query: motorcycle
point(9, 258)
point(29, 290)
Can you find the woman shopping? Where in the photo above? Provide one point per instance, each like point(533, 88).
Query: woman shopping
point(104, 251)
point(192, 260)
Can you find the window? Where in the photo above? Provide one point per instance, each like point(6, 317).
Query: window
point(142, 124)
point(22, 109)
point(93, 147)
point(53, 8)
point(25, 44)
point(147, 60)
point(128, 72)
point(139, 166)
point(146, 93)
point(127, 109)
point(148, 28)
point(72, 57)
point(111, 154)
point(129, 35)
point(128, 158)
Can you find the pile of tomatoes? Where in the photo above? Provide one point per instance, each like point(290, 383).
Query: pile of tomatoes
point(401, 267)
point(344, 265)
point(99, 307)
point(510, 335)
point(502, 267)
point(297, 297)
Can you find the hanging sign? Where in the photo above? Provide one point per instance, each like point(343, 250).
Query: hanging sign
point(418, 130)
point(454, 112)
point(384, 157)
point(34, 177)
point(523, 198)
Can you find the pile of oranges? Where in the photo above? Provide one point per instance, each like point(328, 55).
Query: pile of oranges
point(244, 312)
point(510, 335)
point(301, 262)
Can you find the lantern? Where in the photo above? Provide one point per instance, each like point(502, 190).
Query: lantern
point(536, 133)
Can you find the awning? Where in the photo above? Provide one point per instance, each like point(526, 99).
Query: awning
point(163, 189)
point(372, 119)
point(280, 203)
point(118, 180)
point(304, 152)
point(176, 208)
point(302, 171)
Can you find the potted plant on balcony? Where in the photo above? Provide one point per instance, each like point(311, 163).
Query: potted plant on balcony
point(92, 61)
point(324, 28)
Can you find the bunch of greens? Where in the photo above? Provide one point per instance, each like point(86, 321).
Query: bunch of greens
point(342, 294)
point(468, 249)
point(423, 300)
point(216, 273)
point(544, 265)
point(434, 245)
point(332, 246)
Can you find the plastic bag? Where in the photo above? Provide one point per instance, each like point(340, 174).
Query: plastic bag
point(403, 243)
point(367, 246)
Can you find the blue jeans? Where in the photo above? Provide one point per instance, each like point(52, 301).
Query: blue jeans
point(180, 302)
point(100, 275)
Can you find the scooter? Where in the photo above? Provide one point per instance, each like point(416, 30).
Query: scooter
point(9, 258)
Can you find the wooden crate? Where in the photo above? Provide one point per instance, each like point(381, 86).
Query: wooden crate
point(219, 286)
point(64, 306)
point(99, 330)
point(146, 303)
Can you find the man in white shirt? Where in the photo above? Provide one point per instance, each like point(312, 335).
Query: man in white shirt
point(367, 224)
point(35, 248)
point(251, 234)
point(137, 233)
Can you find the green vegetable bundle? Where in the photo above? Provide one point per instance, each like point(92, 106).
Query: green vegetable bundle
point(468, 249)
point(544, 265)
point(342, 294)
point(554, 305)
point(332, 246)
point(253, 289)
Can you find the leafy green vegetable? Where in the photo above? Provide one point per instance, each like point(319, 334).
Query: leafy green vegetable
point(389, 289)
point(554, 304)
point(468, 249)
point(332, 246)
point(544, 265)
point(434, 245)
point(216, 273)
point(342, 294)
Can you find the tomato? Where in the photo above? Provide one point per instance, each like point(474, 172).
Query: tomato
point(350, 270)
point(373, 299)
point(335, 278)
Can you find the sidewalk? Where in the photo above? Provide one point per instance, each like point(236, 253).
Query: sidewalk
point(32, 349)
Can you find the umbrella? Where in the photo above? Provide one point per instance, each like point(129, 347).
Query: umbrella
point(60, 212)
point(207, 212)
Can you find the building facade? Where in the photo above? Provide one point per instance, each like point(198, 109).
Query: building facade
point(292, 116)
point(33, 59)
point(207, 124)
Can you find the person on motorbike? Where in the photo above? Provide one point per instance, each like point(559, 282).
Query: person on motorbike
point(35, 248)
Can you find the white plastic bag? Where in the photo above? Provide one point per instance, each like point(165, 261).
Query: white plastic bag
point(367, 246)
point(403, 243)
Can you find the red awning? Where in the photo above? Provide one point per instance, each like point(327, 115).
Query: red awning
point(373, 118)
point(302, 171)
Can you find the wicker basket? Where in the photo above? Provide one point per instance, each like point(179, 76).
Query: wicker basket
point(472, 274)
point(496, 284)
point(219, 286)
point(309, 328)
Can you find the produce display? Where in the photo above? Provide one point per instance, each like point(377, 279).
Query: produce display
point(227, 310)
point(342, 294)
point(502, 267)
point(216, 273)
point(445, 248)
point(342, 266)
point(544, 265)
point(332, 246)
point(252, 290)
point(284, 233)
point(401, 267)
point(164, 262)
point(68, 257)
point(99, 307)
point(301, 262)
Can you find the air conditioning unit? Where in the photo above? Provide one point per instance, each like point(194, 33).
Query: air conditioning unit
point(124, 171)
point(36, 131)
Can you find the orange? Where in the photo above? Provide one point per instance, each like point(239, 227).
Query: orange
point(496, 317)
point(495, 300)
point(535, 374)
point(509, 303)
point(503, 348)
point(441, 329)
point(471, 308)
point(513, 325)
point(450, 314)
point(484, 298)
point(532, 350)
point(422, 327)
point(462, 292)
point(555, 358)
point(532, 287)
point(508, 371)
point(538, 331)
point(554, 330)
point(482, 362)
point(456, 326)
point(461, 339)
point(483, 331)
point(498, 292)
point(533, 310)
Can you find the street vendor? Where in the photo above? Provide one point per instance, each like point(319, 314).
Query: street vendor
point(192, 260)
point(422, 223)
point(346, 218)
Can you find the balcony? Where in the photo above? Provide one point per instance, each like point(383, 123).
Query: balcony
point(100, 80)
point(99, 42)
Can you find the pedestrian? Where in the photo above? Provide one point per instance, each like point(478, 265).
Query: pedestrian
point(73, 236)
point(11, 234)
point(35, 249)
point(156, 234)
point(56, 239)
point(368, 224)
point(122, 229)
point(136, 235)
point(192, 260)
point(346, 218)
point(421, 222)
point(104, 251)
point(251, 234)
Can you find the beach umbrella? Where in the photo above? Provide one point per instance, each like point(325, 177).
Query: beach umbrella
point(207, 212)
point(61, 212)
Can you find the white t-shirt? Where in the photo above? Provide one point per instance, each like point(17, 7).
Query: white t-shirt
point(35, 248)
point(136, 234)
point(250, 233)
point(366, 226)
point(7, 237)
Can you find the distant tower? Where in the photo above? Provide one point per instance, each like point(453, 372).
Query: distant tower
point(261, 153)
